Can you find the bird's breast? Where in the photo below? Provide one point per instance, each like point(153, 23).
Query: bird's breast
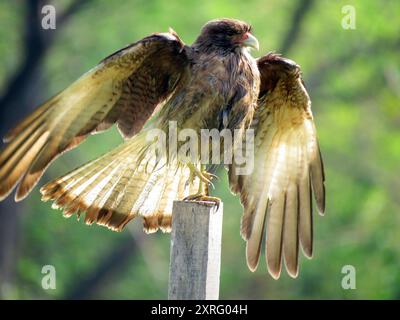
point(216, 88)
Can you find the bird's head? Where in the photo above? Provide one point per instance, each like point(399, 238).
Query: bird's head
point(226, 34)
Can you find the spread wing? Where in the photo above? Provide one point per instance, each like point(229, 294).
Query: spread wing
point(125, 88)
point(288, 167)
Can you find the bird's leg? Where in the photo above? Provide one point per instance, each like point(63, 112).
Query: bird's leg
point(205, 180)
point(203, 175)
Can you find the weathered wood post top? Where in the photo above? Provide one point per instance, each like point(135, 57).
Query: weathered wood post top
point(195, 251)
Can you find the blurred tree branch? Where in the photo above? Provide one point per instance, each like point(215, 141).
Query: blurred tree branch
point(18, 98)
point(296, 22)
point(36, 43)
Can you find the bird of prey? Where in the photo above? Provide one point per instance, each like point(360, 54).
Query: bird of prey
point(213, 83)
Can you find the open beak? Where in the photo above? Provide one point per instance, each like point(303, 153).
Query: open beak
point(250, 41)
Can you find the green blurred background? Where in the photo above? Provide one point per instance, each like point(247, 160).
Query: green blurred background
point(353, 77)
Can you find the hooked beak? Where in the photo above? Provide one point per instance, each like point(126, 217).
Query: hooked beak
point(250, 41)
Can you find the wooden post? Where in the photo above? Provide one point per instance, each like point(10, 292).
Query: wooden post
point(195, 251)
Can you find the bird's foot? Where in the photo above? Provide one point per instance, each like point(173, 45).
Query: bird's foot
point(202, 194)
point(204, 176)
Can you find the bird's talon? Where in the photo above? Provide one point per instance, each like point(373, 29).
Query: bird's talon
point(204, 176)
point(210, 176)
point(203, 198)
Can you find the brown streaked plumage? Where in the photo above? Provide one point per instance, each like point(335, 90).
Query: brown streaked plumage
point(288, 167)
point(154, 64)
point(214, 83)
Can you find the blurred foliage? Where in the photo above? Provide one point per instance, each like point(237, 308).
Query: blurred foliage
point(353, 77)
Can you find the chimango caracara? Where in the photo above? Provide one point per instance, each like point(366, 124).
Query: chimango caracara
point(214, 83)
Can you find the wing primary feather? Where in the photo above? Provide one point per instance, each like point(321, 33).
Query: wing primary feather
point(12, 172)
point(290, 232)
point(275, 219)
point(317, 180)
point(253, 247)
point(34, 117)
point(305, 217)
point(22, 141)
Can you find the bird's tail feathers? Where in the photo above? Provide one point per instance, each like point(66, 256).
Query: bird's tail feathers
point(127, 182)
